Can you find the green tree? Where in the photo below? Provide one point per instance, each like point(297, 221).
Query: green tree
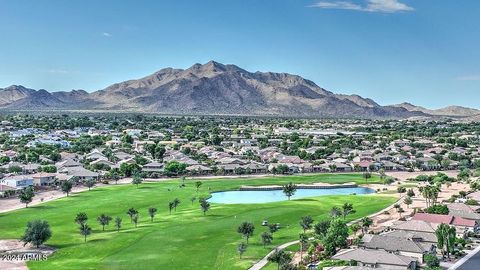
point(171, 205)
point(131, 212)
point(446, 236)
point(280, 257)
point(26, 196)
point(198, 184)
point(175, 168)
point(366, 222)
point(336, 236)
point(85, 230)
point(289, 189)
point(335, 212)
point(355, 228)
point(90, 183)
point(347, 209)
point(37, 233)
point(176, 203)
point(204, 205)
point(118, 223)
point(81, 218)
point(431, 260)
point(303, 241)
point(242, 248)
point(137, 180)
point(306, 223)
point(152, 211)
point(267, 238)
point(66, 187)
point(366, 176)
point(408, 201)
point(104, 220)
point(246, 229)
point(321, 227)
point(135, 219)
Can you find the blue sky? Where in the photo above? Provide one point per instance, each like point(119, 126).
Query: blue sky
point(422, 51)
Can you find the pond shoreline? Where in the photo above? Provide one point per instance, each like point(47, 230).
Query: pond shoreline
point(299, 186)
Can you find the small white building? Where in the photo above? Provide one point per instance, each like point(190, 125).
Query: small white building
point(17, 181)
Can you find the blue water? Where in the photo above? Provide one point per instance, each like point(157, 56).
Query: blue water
point(262, 196)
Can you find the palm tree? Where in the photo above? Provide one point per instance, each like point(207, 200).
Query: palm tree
point(267, 238)
point(104, 220)
point(289, 189)
point(152, 211)
point(85, 230)
point(446, 236)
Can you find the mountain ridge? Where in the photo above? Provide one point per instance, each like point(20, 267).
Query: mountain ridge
point(214, 88)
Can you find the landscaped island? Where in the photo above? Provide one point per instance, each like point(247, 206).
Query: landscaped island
point(184, 239)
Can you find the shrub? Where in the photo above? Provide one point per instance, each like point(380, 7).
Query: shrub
point(471, 202)
point(440, 209)
point(431, 260)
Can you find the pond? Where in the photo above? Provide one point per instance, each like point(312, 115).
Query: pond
point(266, 196)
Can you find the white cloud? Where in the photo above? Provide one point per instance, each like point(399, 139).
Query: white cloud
point(106, 34)
point(384, 6)
point(469, 78)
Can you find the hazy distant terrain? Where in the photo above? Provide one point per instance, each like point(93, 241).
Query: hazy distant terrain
point(215, 88)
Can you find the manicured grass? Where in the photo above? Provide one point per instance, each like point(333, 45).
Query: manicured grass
point(186, 239)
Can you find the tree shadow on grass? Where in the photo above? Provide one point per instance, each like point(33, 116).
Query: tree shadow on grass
point(142, 187)
point(306, 200)
point(42, 207)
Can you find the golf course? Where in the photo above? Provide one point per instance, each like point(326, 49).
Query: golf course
point(184, 238)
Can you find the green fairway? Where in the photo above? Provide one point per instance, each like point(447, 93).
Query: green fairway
point(186, 239)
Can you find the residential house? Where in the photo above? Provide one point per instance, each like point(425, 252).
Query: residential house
point(377, 259)
point(43, 179)
point(17, 181)
point(397, 245)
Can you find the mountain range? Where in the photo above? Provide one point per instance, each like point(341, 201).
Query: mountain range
point(217, 89)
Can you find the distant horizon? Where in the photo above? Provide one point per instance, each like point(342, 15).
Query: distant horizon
point(391, 51)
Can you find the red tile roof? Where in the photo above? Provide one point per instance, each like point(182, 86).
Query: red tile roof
point(459, 221)
point(433, 218)
point(447, 219)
